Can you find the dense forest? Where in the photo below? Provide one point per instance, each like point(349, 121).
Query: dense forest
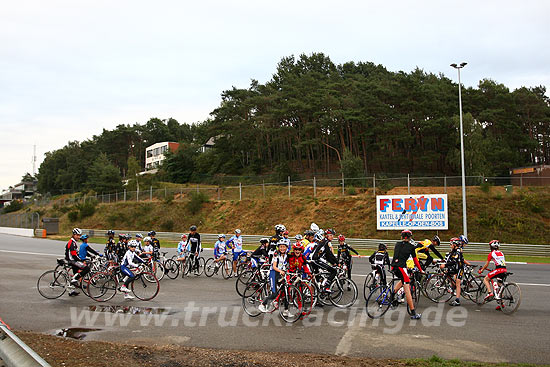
point(314, 116)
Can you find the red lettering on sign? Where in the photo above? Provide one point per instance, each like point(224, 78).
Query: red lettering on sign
point(396, 205)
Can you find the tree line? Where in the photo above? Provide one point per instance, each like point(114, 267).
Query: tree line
point(314, 116)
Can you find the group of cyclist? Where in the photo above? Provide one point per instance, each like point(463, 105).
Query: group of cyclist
point(307, 254)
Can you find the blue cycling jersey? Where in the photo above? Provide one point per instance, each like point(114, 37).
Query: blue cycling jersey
point(237, 243)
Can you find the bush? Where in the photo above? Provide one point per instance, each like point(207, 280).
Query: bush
point(485, 187)
point(351, 190)
point(14, 206)
point(196, 199)
point(87, 208)
point(167, 225)
point(73, 216)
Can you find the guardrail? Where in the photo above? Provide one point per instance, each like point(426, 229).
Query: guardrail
point(358, 243)
point(15, 353)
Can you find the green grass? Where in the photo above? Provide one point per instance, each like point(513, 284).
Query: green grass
point(173, 244)
point(436, 361)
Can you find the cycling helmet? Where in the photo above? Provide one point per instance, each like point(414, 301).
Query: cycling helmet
point(127, 236)
point(77, 231)
point(330, 231)
point(139, 235)
point(264, 240)
point(110, 232)
point(120, 236)
point(308, 232)
point(319, 236)
point(147, 239)
point(463, 239)
point(382, 247)
point(286, 232)
point(280, 228)
point(298, 237)
point(237, 231)
point(193, 228)
point(221, 235)
point(84, 237)
point(185, 236)
point(152, 233)
point(341, 238)
point(298, 246)
point(494, 244)
point(436, 241)
point(314, 227)
point(455, 241)
point(406, 233)
point(282, 242)
point(132, 243)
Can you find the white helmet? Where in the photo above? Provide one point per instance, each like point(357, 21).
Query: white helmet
point(133, 243)
point(147, 239)
point(237, 231)
point(314, 227)
point(280, 228)
point(77, 231)
point(298, 237)
point(221, 235)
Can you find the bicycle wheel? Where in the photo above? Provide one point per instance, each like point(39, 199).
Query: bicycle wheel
point(210, 267)
point(252, 298)
point(510, 298)
point(158, 269)
point(227, 269)
point(172, 269)
point(369, 285)
point(469, 287)
point(481, 291)
point(143, 288)
point(52, 284)
point(438, 288)
point(308, 297)
point(343, 292)
point(242, 282)
point(85, 283)
point(378, 302)
point(294, 301)
point(415, 295)
point(102, 287)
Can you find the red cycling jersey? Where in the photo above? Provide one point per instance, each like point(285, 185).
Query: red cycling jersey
point(296, 263)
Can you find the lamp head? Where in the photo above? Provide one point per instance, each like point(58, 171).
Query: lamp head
point(463, 64)
point(454, 65)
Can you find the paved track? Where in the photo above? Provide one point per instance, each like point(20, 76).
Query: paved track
point(207, 312)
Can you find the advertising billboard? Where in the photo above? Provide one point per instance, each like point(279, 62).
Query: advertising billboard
point(397, 212)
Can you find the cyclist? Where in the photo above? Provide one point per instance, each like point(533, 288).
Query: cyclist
point(454, 264)
point(129, 261)
point(378, 260)
point(274, 240)
point(308, 242)
point(194, 247)
point(287, 240)
point(122, 246)
point(403, 249)
point(344, 253)
point(324, 258)
point(237, 248)
point(139, 238)
point(424, 248)
point(279, 264)
point(297, 262)
point(85, 248)
point(220, 250)
point(71, 255)
point(260, 254)
point(147, 249)
point(155, 243)
point(182, 247)
point(111, 245)
point(500, 268)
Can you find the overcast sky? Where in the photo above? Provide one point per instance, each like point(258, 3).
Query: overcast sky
point(68, 69)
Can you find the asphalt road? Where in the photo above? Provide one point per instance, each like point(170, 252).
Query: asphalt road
point(207, 312)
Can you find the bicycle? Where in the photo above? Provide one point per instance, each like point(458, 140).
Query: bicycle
point(372, 280)
point(212, 267)
point(383, 297)
point(54, 283)
point(288, 294)
point(506, 294)
point(258, 274)
point(193, 264)
point(104, 285)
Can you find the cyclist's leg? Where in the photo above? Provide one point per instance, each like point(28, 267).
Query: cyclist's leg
point(129, 276)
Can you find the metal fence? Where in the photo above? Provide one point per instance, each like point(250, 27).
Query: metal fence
point(357, 243)
point(310, 188)
point(22, 220)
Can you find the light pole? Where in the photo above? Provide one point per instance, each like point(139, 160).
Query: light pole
point(464, 220)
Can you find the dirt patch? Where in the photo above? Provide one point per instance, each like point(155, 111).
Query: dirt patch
point(64, 352)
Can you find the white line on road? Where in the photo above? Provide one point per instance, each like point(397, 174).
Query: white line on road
point(535, 284)
point(31, 253)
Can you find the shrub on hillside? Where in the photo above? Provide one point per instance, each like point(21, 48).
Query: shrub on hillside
point(485, 187)
point(167, 225)
point(73, 216)
point(87, 208)
point(14, 206)
point(196, 199)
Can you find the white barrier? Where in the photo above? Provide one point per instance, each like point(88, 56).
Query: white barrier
point(26, 232)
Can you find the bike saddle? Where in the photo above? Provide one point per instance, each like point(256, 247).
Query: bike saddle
point(61, 261)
